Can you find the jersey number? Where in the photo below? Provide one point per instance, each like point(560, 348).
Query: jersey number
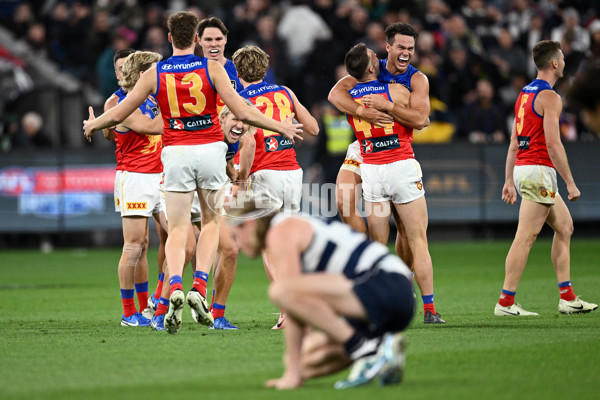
point(282, 103)
point(365, 127)
point(194, 82)
point(521, 114)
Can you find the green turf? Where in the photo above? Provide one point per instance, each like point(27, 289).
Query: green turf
point(61, 338)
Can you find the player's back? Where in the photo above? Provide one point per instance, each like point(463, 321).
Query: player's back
point(529, 126)
point(379, 145)
point(188, 101)
point(337, 248)
point(136, 152)
point(273, 151)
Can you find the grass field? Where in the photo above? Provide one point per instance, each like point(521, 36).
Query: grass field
point(61, 338)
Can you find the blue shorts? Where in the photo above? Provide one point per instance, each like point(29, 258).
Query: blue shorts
point(388, 300)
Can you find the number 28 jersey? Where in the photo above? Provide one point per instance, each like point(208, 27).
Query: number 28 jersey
point(379, 145)
point(273, 151)
point(530, 127)
point(188, 101)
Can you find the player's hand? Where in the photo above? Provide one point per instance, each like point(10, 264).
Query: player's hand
point(574, 193)
point(290, 130)
point(376, 101)
point(509, 194)
point(376, 117)
point(286, 382)
point(88, 129)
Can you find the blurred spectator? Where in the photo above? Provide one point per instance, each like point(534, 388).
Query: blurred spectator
point(573, 57)
point(459, 84)
point(489, 28)
point(474, 12)
point(22, 17)
point(105, 69)
point(99, 37)
point(519, 16)
point(31, 133)
point(585, 96)
point(507, 57)
point(580, 37)
point(36, 38)
point(483, 119)
point(530, 38)
point(266, 38)
point(435, 13)
point(458, 33)
point(375, 38)
point(300, 28)
point(156, 41)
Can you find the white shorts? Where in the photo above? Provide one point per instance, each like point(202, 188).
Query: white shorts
point(282, 187)
point(188, 167)
point(196, 212)
point(399, 181)
point(137, 194)
point(353, 158)
point(536, 183)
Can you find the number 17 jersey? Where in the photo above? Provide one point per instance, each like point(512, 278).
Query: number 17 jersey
point(188, 101)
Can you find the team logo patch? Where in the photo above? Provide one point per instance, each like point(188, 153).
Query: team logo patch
point(277, 143)
point(367, 146)
point(136, 205)
point(543, 192)
point(175, 124)
point(118, 202)
point(419, 185)
point(272, 144)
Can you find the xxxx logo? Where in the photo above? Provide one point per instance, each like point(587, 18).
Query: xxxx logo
point(136, 205)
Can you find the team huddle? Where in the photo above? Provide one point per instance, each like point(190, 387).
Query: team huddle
point(205, 146)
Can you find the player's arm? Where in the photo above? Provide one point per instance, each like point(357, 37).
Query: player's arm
point(551, 105)
point(417, 114)
point(143, 88)
point(284, 244)
point(143, 124)
point(311, 126)
point(509, 194)
point(112, 101)
point(247, 149)
point(341, 99)
point(230, 170)
point(243, 111)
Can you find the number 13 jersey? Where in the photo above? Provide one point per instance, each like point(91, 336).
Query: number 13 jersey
point(188, 101)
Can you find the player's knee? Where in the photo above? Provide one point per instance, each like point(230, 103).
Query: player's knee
point(230, 254)
point(278, 292)
point(131, 254)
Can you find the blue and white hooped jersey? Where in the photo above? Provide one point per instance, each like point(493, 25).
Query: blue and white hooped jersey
point(338, 249)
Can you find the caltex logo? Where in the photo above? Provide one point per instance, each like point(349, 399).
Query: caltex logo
point(367, 146)
point(176, 124)
point(273, 144)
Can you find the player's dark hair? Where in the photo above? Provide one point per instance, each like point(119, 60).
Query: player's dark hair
point(212, 22)
point(545, 52)
point(183, 26)
point(122, 54)
point(400, 28)
point(357, 60)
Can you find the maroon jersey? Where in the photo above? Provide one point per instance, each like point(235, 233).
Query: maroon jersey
point(273, 151)
point(530, 127)
point(188, 101)
point(380, 145)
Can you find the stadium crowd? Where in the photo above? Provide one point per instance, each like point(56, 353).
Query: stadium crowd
point(474, 52)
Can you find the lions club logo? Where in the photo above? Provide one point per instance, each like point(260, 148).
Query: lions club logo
point(176, 124)
point(272, 144)
point(543, 192)
point(419, 185)
point(367, 146)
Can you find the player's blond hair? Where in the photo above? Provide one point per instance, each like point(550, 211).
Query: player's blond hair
point(135, 63)
point(225, 111)
point(251, 63)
